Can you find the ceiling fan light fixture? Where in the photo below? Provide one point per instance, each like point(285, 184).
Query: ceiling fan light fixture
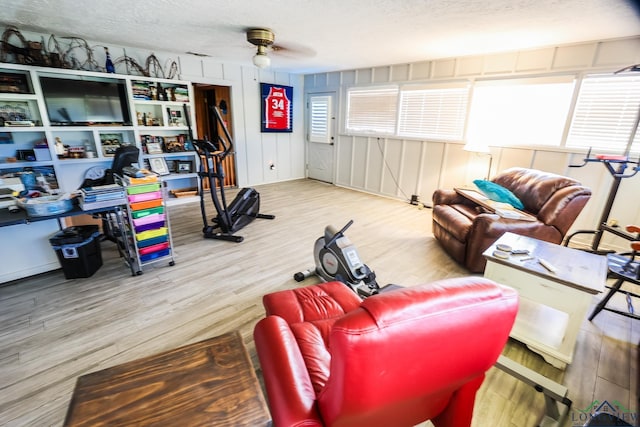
point(260, 59)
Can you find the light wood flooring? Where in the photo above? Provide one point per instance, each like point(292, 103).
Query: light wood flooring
point(53, 330)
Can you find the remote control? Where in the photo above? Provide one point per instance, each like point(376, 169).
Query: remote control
point(547, 265)
point(520, 251)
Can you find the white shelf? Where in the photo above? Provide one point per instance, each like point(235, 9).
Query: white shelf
point(15, 129)
point(171, 155)
point(70, 171)
point(175, 176)
point(151, 129)
point(25, 163)
point(18, 96)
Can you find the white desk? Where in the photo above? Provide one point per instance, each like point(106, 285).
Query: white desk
point(552, 304)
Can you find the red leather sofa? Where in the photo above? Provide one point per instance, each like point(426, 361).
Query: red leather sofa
point(465, 231)
point(395, 359)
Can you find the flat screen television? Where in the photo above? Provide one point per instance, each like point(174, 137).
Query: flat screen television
point(85, 101)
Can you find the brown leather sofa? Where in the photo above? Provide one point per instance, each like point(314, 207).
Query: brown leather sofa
point(465, 230)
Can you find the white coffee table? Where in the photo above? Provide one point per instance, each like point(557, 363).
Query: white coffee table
point(552, 304)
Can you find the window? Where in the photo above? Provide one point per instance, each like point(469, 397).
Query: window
point(372, 110)
point(520, 111)
point(436, 112)
point(605, 113)
point(320, 117)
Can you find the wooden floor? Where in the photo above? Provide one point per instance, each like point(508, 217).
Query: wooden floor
point(53, 330)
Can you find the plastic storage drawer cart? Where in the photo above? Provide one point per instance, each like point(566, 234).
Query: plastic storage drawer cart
point(78, 250)
point(149, 225)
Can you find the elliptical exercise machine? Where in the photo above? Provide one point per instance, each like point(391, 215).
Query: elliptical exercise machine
point(245, 206)
point(336, 258)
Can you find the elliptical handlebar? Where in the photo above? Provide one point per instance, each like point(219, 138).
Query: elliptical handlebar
point(225, 146)
point(337, 235)
point(226, 142)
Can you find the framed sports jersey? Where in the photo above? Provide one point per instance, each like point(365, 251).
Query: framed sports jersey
point(277, 108)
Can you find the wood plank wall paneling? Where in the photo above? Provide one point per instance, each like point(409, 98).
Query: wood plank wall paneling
point(53, 330)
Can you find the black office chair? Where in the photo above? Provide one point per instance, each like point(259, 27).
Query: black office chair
point(624, 268)
point(125, 155)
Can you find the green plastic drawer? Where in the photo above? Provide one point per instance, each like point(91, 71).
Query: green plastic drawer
point(147, 212)
point(146, 188)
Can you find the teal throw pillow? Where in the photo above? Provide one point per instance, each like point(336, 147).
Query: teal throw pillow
point(498, 193)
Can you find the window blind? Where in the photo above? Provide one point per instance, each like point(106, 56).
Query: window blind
point(434, 113)
point(372, 110)
point(605, 113)
point(520, 111)
point(320, 117)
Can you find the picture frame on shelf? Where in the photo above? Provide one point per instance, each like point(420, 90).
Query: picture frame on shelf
point(184, 166)
point(109, 150)
point(14, 83)
point(159, 165)
point(174, 144)
point(17, 113)
point(154, 148)
point(110, 143)
point(6, 138)
point(111, 138)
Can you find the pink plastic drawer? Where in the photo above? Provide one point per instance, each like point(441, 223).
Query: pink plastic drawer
point(143, 197)
point(148, 219)
point(154, 248)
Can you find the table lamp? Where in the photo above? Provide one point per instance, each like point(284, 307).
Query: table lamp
point(476, 147)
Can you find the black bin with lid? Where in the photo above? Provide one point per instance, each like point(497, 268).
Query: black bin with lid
point(78, 250)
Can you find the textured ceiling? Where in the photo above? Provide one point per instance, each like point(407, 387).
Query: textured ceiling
point(327, 35)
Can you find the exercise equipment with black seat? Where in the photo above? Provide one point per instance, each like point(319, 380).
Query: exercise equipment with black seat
point(245, 206)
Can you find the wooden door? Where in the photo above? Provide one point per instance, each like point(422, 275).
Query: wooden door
point(206, 97)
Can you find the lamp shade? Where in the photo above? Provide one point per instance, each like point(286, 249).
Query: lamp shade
point(261, 60)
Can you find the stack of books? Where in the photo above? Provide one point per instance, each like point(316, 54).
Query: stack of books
point(140, 90)
point(134, 176)
point(102, 196)
point(181, 93)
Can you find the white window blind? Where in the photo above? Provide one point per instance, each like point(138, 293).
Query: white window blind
point(372, 110)
point(434, 113)
point(520, 111)
point(320, 117)
point(605, 113)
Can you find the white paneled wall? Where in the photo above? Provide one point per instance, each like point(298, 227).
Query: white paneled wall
point(399, 168)
point(255, 151)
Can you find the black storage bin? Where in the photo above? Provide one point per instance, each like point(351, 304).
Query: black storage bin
point(78, 250)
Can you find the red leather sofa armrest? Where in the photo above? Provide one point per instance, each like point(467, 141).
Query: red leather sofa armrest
point(292, 400)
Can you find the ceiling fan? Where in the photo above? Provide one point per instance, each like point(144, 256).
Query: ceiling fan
point(264, 38)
